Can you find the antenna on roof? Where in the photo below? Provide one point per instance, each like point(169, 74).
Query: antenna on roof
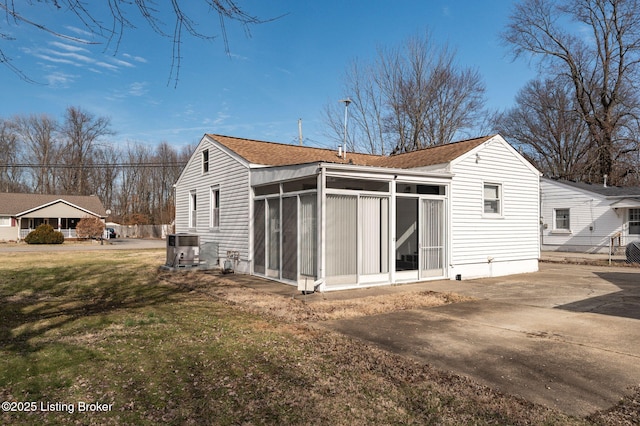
point(300, 131)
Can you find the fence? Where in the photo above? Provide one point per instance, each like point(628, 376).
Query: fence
point(143, 231)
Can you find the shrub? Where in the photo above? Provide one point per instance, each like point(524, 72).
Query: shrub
point(90, 227)
point(44, 234)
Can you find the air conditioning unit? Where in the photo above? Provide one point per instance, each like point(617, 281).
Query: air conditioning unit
point(183, 250)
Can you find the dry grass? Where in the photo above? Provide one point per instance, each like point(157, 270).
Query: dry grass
point(196, 349)
point(301, 310)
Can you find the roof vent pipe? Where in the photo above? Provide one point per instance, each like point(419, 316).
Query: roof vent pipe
point(340, 151)
point(605, 180)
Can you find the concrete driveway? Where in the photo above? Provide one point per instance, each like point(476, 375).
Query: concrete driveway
point(567, 337)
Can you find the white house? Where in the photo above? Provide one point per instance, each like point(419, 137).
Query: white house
point(589, 218)
point(22, 213)
point(343, 220)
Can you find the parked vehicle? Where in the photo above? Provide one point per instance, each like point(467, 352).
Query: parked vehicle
point(633, 251)
point(111, 233)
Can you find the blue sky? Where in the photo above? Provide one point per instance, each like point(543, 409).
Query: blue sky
point(285, 70)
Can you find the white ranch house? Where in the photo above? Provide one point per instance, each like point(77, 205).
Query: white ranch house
point(298, 214)
point(588, 218)
point(22, 213)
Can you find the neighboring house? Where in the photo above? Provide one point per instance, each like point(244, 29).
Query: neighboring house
point(300, 214)
point(588, 218)
point(22, 213)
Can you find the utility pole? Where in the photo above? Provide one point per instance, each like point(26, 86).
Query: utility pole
point(346, 101)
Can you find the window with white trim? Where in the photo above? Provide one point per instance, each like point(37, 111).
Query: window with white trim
point(214, 213)
point(5, 220)
point(634, 221)
point(193, 209)
point(562, 219)
point(205, 161)
point(492, 199)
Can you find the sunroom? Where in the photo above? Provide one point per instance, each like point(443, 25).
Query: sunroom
point(333, 226)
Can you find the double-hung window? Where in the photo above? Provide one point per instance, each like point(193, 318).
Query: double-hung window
point(492, 199)
point(634, 221)
point(214, 214)
point(193, 209)
point(562, 220)
point(205, 161)
point(5, 220)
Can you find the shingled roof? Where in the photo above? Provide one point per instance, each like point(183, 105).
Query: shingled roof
point(440, 154)
point(15, 203)
point(278, 154)
point(607, 191)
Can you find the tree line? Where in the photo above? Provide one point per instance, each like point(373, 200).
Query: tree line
point(39, 154)
point(579, 119)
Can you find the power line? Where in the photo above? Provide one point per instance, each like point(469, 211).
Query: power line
point(92, 165)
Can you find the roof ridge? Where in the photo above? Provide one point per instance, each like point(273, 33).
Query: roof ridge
point(487, 137)
point(291, 145)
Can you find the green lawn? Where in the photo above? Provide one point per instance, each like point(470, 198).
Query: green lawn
point(106, 328)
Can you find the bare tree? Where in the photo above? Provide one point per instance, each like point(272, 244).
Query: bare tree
point(601, 64)
point(109, 24)
point(81, 131)
point(39, 134)
point(546, 126)
point(10, 154)
point(104, 177)
point(412, 97)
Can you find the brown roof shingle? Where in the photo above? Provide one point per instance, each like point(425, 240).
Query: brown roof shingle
point(278, 154)
point(440, 154)
point(12, 203)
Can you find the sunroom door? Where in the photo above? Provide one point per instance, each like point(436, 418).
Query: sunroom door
point(432, 241)
point(273, 237)
point(406, 245)
point(420, 238)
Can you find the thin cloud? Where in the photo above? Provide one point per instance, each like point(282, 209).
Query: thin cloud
point(68, 47)
point(60, 79)
point(80, 31)
point(135, 58)
point(285, 71)
point(123, 63)
point(139, 88)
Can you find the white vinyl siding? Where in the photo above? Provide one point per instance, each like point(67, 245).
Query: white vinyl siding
point(232, 176)
point(513, 236)
point(592, 220)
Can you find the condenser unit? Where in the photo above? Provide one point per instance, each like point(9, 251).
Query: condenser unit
point(183, 250)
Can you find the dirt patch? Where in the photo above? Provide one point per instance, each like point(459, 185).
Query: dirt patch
point(298, 310)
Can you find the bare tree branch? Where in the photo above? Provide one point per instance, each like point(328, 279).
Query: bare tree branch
point(122, 15)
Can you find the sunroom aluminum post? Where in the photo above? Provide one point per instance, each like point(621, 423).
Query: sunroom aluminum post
point(392, 232)
point(321, 221)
